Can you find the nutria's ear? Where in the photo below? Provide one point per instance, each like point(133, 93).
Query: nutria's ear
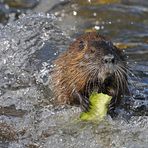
point(82, 45)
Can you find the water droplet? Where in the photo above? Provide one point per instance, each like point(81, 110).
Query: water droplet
point(48, 15)
point(137, 92)
point(102, 27)
point(4, 61)
point(94, 14)
point(18, 10)
point(6, 6)
point(61, 140)
point(74, 13)
point(97, 27)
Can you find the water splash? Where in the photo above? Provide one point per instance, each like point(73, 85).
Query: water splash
point(27, 48)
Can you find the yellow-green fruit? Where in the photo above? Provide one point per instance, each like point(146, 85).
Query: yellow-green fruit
point(98, 108)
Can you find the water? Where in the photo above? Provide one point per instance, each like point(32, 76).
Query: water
point(27, 48)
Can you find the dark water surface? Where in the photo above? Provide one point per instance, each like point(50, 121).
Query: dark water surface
point(27, 48)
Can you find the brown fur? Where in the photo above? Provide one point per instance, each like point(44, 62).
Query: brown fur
point(73, 68)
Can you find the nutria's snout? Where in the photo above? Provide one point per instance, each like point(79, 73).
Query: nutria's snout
point(109, 62)
point(108, 59)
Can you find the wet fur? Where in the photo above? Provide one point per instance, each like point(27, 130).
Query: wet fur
point(80, 70)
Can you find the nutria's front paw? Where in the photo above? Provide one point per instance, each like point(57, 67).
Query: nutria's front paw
point(85, 104)
point(83, 101)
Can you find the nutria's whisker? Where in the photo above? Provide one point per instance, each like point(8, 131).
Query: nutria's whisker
point(91, 82)
point(117, 84)
point(129, 70)
point(122, 80)
point(130, 82)
point(126, 73)
point(87, 87)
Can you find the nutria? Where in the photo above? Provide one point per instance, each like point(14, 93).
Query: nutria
point(91, 63)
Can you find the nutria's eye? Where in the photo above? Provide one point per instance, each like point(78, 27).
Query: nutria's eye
point(92, 49)
point(81, 45)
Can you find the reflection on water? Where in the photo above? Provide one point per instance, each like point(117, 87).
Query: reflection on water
point(27, 48)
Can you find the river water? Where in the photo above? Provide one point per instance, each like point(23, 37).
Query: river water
point(28, 46)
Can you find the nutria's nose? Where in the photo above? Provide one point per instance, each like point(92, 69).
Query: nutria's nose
point(109, 59)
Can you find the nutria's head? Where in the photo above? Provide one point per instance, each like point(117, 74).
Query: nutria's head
point(99, 60)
